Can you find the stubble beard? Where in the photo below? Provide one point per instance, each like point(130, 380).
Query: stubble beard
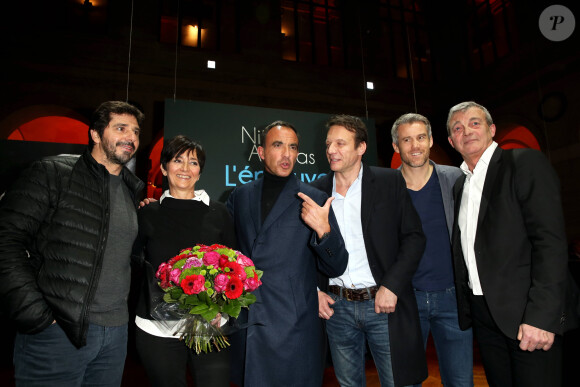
point(112, 156)
point(415, 165)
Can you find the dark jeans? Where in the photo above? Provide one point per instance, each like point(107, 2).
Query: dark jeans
point(49, 358)
point(166, 361)
point(438, 314)
point(352, 325)
point(505, 364)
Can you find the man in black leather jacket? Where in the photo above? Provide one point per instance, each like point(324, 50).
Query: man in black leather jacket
point(67, 226)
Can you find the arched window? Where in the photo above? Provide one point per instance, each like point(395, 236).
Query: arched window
point(516, 136)
point(64, 130)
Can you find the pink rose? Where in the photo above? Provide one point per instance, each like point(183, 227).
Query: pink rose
point(192, 262)
point(211, 258)
point(244, 261)
point(220, 282)
point(162, 269)
point(252, 283)
point(163, 275)
point(174, 276)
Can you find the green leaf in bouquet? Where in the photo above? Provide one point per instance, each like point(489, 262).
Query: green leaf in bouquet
point(167, 298)
point(233, 308)
point(199, 309)
point(191, 299)
point(247, 299)
point(204, 297)
point(260, 273)
point(175, 292)
point(211, 313)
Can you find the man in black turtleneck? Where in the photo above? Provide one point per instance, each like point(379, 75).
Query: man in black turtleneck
point(289, 230)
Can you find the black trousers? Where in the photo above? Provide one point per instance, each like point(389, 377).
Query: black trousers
point(166, 362)
point(505, 364)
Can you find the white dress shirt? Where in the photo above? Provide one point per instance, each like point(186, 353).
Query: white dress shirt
point(347, 210)
point(469, 213)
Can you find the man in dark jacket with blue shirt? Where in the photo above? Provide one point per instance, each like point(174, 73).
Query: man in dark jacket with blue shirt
point(430, 186)
point(67, 226)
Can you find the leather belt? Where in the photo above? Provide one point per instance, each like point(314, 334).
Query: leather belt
point(363, 294)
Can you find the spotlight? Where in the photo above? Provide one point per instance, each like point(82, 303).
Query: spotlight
point(211, 64)
point(370, 86)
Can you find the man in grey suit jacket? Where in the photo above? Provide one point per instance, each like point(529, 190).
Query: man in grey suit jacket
point(433, 283)
point(510, 255)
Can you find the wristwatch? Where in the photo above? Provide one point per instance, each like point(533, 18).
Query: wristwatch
point(324, 236)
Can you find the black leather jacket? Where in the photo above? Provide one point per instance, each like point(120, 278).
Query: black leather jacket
point(53, 232)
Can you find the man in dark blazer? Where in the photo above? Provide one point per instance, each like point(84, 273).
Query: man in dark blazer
point(289, 230)
point(510, 256)
point(373, 301)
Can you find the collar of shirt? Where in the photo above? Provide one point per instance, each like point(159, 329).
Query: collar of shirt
point(483, 160)
point(200, 195)
point(355, 185)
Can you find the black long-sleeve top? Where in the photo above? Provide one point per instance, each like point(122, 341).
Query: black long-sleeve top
point(167, 227)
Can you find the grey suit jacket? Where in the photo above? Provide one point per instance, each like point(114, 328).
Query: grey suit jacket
point(447, 176)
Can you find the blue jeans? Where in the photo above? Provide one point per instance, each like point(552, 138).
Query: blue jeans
point(352, 325)
point(49, 358)
point(438, 313)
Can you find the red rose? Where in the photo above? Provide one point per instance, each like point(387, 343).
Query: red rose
point(235, 288)
point(163, 275)
point(204, 248)
point(223, 260)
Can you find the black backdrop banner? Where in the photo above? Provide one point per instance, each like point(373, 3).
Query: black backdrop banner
point(230, 136)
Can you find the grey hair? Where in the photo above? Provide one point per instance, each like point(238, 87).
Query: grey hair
point(462, 107)
point(409, 118)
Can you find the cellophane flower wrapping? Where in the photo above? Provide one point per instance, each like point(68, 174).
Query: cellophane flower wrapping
point(205, 288)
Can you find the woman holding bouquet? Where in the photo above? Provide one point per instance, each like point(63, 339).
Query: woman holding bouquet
point(181, 218)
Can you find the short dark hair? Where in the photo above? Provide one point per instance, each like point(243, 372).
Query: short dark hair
point(352, 124)
point(409, 118)
point(102, 116)
point(273, 125)
point(179, 145)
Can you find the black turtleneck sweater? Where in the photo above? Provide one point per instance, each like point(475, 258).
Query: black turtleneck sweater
point(271, 189)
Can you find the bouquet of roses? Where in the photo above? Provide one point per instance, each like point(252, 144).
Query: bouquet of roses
point(202, 285)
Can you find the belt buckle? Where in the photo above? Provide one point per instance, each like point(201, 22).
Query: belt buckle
point(347, 295)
